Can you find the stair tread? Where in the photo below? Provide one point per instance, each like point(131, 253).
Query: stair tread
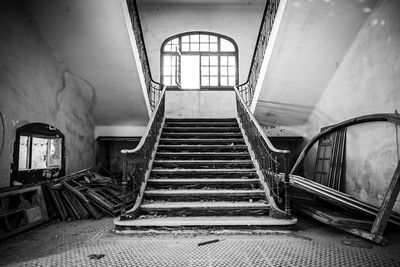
point(204, 170)
point(204, 205)
point(203, 180)
point(203, 139)
point(204, 161)
point(188, 146)
point(207, 221)
point(203, 192)
point(200, 119)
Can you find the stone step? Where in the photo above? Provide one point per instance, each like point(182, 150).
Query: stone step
point(203, 173)
point(202, 148)
point(211, 222)
point(201, 130)
point(196, 183)
point(201, 124)
point(206, 208)
point(202, 141)
point(204, 155)
point(207, 195)
point(203, 164)
point(200, 120)
point(198, 135)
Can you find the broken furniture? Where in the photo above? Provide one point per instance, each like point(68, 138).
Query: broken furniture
point(341, 210)
point(21, 209)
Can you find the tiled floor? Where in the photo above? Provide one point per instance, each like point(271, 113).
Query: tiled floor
point(93, 243)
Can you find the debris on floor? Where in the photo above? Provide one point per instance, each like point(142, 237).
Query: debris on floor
point(96, 256)
point(86, 194)
point(208, 242)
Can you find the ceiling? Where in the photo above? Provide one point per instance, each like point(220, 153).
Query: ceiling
point(313, 38)
point(90, 38)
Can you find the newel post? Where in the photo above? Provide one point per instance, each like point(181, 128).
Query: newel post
point(287, 184)
point(124, 187)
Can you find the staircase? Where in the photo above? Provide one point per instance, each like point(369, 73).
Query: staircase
point(203, 176)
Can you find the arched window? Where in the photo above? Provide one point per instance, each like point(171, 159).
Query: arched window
point(197, 60)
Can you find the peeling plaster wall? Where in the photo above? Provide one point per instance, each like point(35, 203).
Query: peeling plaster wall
point(367, 81)
point(240, 22)
point(35, 87)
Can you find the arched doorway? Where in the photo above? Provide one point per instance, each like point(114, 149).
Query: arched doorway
point(199, 60)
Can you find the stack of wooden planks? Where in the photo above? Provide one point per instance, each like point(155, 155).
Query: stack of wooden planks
point(86, 194)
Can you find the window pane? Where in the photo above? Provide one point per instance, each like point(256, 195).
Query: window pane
point(232, 81)
point(194, 38)
point(232, 71)
point(39, 153)
point(54, 156)
point(175, 41)
point(224, 81)
point(224, 60)
point(204, 81)
point(185, 39)
point(185, 47)
point(167, 60)
point(214, 81)
point(214, 70)
point(227, 46)
point(213, 39)
point(204, 47)
point(214, 61)
point(205, 71)
point(167, 48)
point(194, 47)
point(224, 71)
point(167, 70)
point(23, 150)
point(204, 61)
point(203, 38)
point(174, 48)
point(213, 47)
point(231, 61)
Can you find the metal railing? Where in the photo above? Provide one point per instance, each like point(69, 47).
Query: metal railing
point(273, 163)
point(247, 89)
point(138, 161)
point(153, 88)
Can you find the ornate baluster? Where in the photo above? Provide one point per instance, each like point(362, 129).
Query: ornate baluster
point(124, 186)
point(286, 184)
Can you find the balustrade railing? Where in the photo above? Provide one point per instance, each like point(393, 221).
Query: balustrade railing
point(273, 163)
point(137, 162)
point(153, 88)
point(247, 89)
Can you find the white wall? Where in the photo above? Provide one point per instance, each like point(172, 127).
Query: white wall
point(240, 22)
point(200, 104)
point(367, 81)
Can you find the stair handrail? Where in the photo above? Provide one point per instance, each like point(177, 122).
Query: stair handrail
point(270, 159)
point(153, 88)
point(247, 88)
point(138, 161)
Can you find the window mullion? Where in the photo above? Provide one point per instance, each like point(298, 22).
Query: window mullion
point(29, 153)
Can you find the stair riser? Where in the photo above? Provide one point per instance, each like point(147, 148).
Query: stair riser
point(221, 130)
point(188, 175)
point(208, 120)
point(204, 156)
point(201, 142)
point(202, 149)
point(201, 124)
point(209, 212)
point(201, 135)
point(205, 197)
point(208, 165)
point(230, 185)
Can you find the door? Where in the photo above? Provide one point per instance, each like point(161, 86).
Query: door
point(190, 71)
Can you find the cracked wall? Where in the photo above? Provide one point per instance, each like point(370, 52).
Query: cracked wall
point(35, 87)
point(367, 81)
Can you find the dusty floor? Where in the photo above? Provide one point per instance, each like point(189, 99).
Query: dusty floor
point(93, 243)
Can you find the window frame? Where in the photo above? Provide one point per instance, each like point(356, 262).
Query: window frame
point(29, 175)
point(200, 53)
